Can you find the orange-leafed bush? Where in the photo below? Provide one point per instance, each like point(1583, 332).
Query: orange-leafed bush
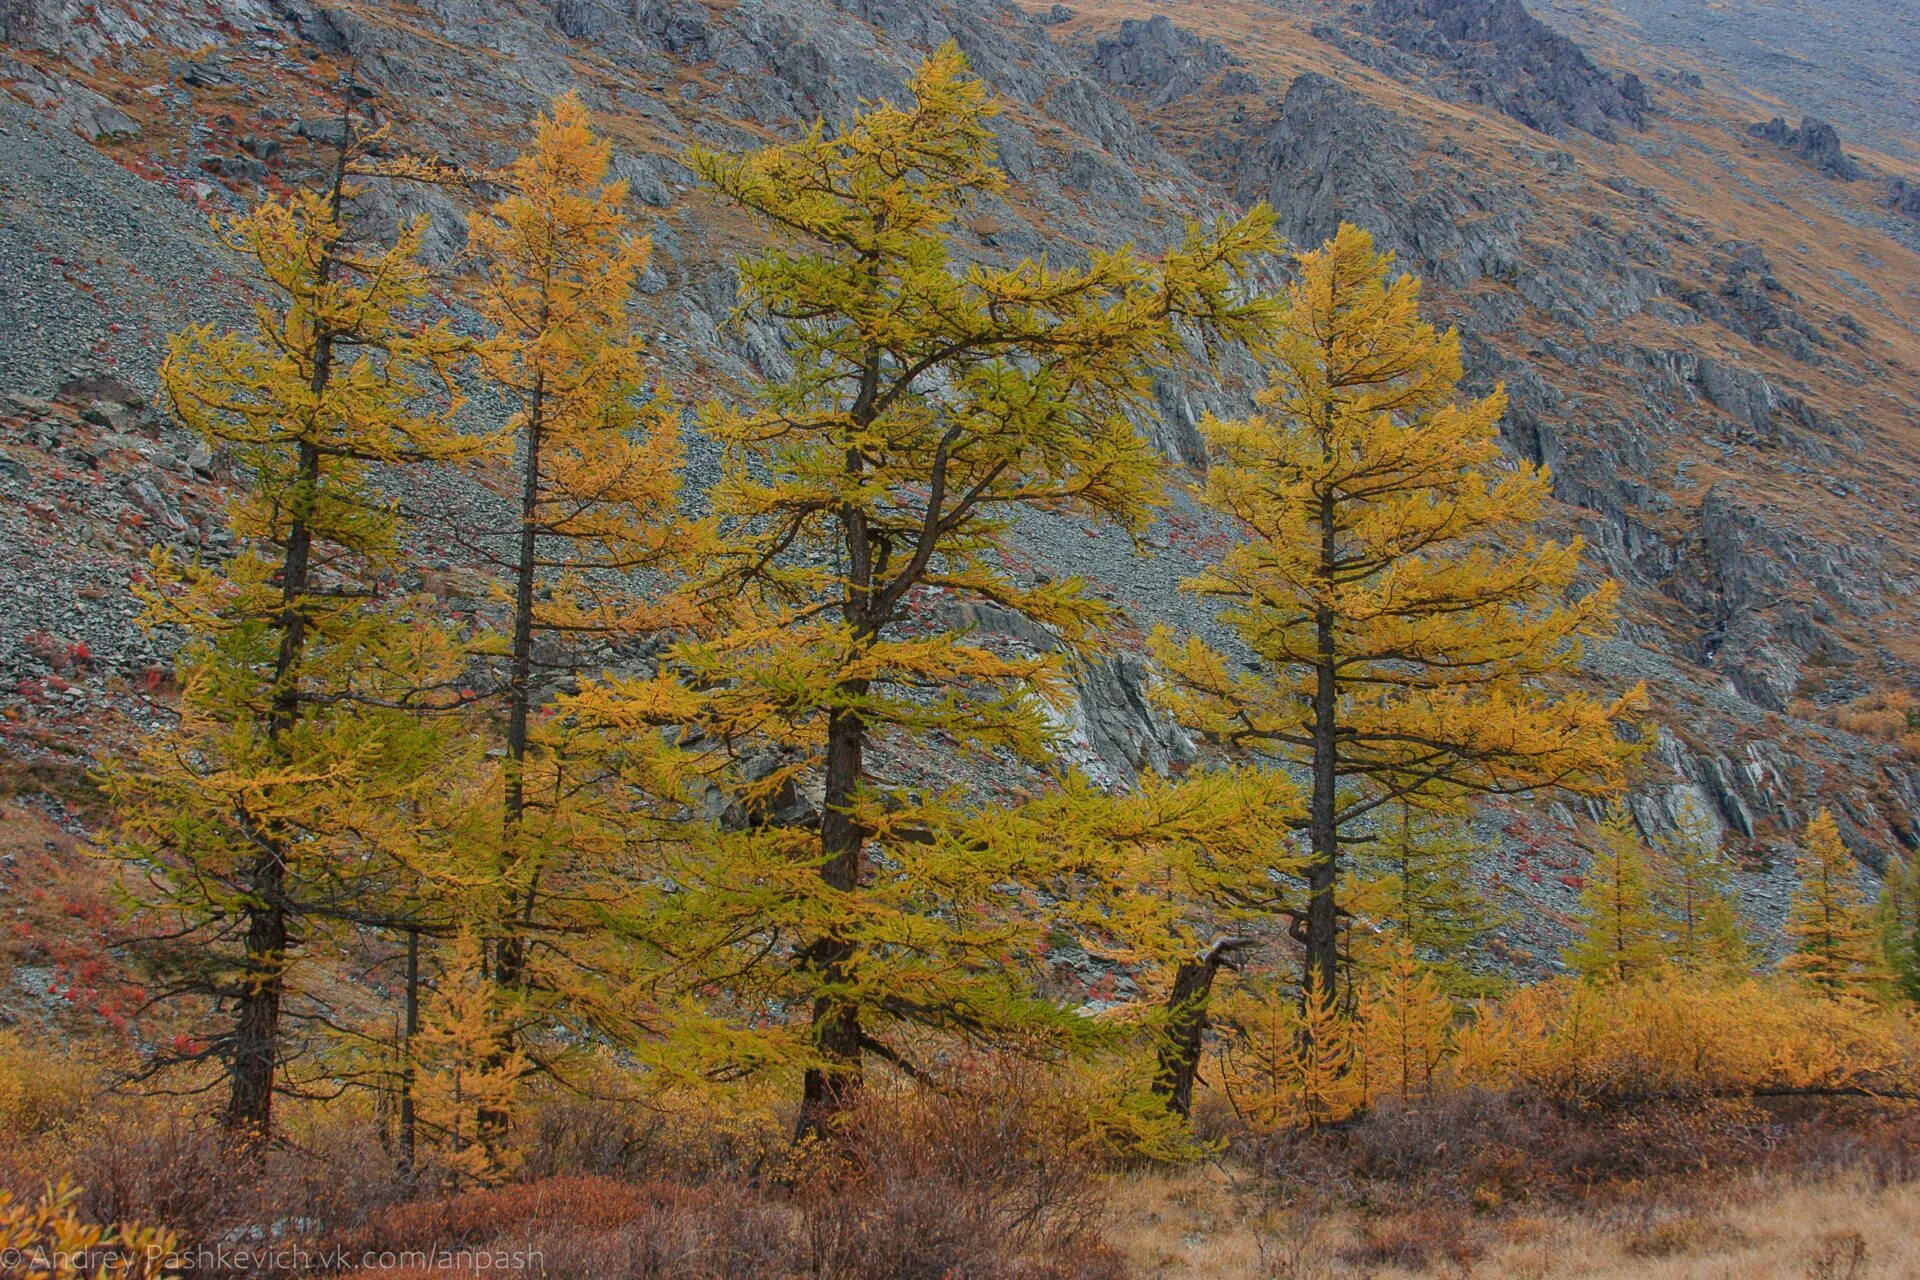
point(1673, 1036)
point(991, 1184)
point(589, 1227)
point(48, 1240)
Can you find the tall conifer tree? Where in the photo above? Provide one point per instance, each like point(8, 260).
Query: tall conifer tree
point(597, 455)
point(1899, 911)
point(1829, 921)
point(284, 803)
point(1621, 935)
point(929, 403)
point(1414, 888)
point(1705, 934)
point(1406, 620)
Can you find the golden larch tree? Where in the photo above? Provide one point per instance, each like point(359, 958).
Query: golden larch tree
point(461, 1077)
point(1289, 1062)
point(1405, 1015)
point(1829, 921)
point(598, 450)
point(1405, 619)
point(929, 403)
point(285, 802)
point(1620, 934)
point(1704, 930)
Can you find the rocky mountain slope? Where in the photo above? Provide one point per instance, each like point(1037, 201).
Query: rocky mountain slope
point(1711, 335)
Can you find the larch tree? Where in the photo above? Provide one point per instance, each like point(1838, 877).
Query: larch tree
point(1413, 886)
point(462, 1078)
point(929, 403)
point(1406, 623)
point(1899, 911)
point(1829, 922)
point(287, 801)
point(1172, 881)
point(1620, 933)
point(1704, 930)
point(1404, 1015)
point(599, 530)
point(1290, 1063)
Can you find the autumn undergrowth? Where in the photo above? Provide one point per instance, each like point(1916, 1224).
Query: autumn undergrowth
point(993, 1173)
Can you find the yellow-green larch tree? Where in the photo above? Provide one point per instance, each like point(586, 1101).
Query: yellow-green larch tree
point(1413, 885)
point(1620, 933)
point(1834, 946)
point(286, 804)
point(1406, 622)
point(1704, 930)
point(1404, 1016)
point(930, 402)
point(1899, 912)
point(1172, 881)
point(591, 559)
point(461, 1077)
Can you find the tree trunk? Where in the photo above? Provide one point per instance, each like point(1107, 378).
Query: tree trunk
point(406, 1068)
point(1179, 1062)
point(256, 1031)
point(255, 1054)
point(510, 955)
point(1323, 925)
point(837, 1033)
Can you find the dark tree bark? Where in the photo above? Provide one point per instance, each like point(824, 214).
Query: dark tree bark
point(1323, 872)
point(1179, 1063)
point(509, 952)
point(406, 1068)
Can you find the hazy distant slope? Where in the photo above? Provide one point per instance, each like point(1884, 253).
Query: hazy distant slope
point(1854, 62)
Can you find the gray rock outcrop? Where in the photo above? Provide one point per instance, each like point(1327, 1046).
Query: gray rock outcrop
point(1816, 142)
point(1495, 52)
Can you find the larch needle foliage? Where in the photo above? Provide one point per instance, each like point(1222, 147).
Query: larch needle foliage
point(1414, 886)
point(284, 804)
point(464, 1079)
point(1406, 620)
point(1290, 1064)
point(929, 403)
point(1899, 912)
point(1705, 933)
point(1829, 922)
point(599, 533)
point(1621, 933)
point(1405, 1017)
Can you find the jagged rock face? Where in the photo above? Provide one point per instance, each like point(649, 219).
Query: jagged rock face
point(1495, 52)
point(1749, 300)
point(1815, 141)
point(1332, 157)
point(1157, 58)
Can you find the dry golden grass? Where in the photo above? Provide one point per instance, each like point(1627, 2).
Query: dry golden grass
point(1216, 1223)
